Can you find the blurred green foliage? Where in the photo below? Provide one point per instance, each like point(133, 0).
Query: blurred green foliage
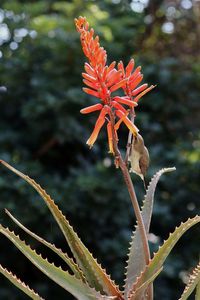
point(43, 134)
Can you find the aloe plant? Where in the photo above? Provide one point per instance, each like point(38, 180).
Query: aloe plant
point(85, 278)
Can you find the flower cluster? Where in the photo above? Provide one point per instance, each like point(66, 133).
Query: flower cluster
point(102, 80)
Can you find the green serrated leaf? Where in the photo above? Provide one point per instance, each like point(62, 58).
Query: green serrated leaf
point(197, 295)
point(19, 284)
point(75, 269)
point(69, 282)
point(136, 258)
point(95, 275)
point(193, 281)
point(144, 286)
point(159, 258)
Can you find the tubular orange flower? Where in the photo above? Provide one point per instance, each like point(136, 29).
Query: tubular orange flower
point(110, 138)
point(134, 77)
point(91, 92)
point(118, 85)
point(130, 67)
point(91, 108)
point(118, 106)
point(127, 122)
point(126, 101)
point(99, 123)
point(102, 80)
point(134, 83)
point(117, 125)
point(144, 92)
point(139, 89)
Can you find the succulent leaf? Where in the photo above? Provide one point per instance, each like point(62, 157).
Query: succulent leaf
point(19, 284)
point(197, 295)
point(159, 258)
point(193, 281)
point(69, 282)
point(95, 275)
point(143, 287)
point(136, 258)
point(73, 266)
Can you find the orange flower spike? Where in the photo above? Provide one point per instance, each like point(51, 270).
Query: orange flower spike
point(144, 92)
point(99, 123)
point(90, 44)
point(127, 122)
point(110, 138)
point(91, 108)
point(101, 80)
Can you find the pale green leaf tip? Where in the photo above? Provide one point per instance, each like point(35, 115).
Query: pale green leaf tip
point(19, 284)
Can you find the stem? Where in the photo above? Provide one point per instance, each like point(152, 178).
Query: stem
point(139, 218)
point(137, 211)
point(127, 178)
point(120, 162)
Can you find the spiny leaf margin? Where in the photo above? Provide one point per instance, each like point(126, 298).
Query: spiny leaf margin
point(74, 267)
point(197, 294)
point(93, 272)
point(136, 258)
point(144, 286)
point(159, 258)
point(19, 284)
point(69, 282)
point(194, 279)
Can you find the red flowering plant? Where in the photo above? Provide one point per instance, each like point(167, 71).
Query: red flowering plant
point(103, 80)
point(85, 279)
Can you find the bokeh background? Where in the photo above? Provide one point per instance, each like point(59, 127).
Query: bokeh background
point(43, 134)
